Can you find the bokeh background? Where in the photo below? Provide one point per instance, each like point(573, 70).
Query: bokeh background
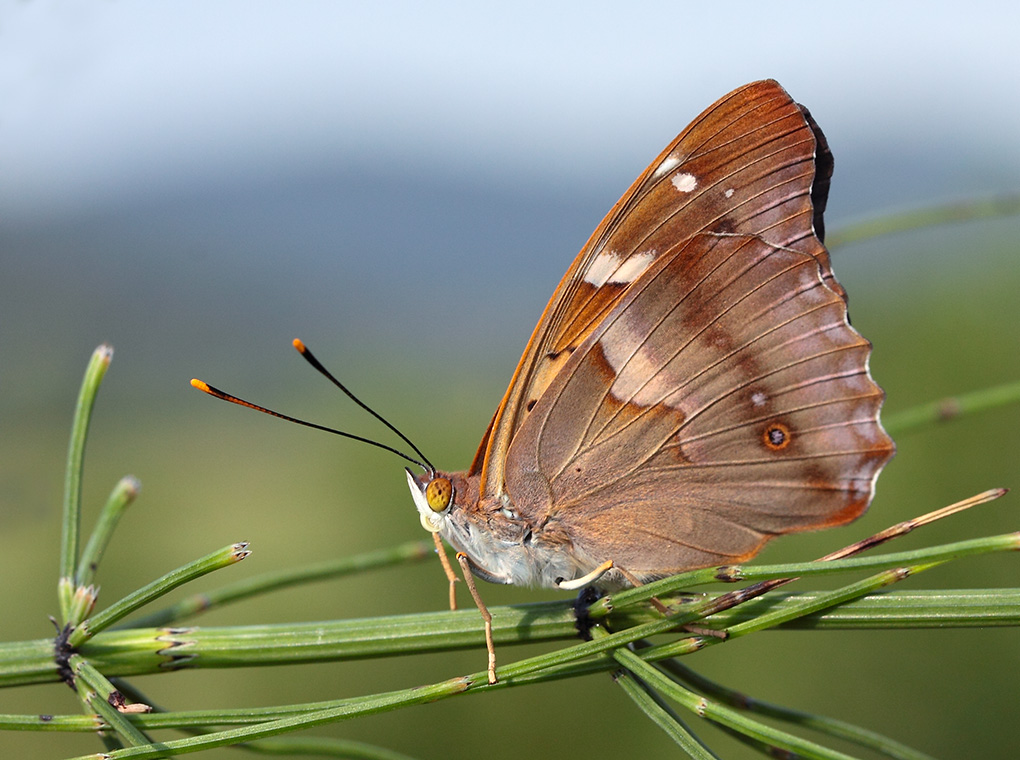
point(401, 185)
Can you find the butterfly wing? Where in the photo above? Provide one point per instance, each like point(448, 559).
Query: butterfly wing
point(753, 163)
point(725, 399)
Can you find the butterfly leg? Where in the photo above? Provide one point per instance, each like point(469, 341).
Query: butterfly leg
point(584, 580)
point(465, 566)
point(451, 576)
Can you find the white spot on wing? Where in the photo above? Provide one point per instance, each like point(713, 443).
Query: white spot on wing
point(602, 268)
point(669, 163)
point(610, 267)
point(633, 267)
point(758, 398)
point(684, 182)
point(729, 193)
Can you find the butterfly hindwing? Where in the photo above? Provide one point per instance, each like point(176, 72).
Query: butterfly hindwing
point(724, 400)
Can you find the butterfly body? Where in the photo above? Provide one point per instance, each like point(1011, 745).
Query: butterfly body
point(694, 387)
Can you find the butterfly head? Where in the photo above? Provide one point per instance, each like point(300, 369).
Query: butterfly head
point(433, 495)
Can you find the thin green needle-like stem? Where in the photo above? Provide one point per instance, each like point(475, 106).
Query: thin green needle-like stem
point(61, 723)
point(779, 616)
point(94, 373)
point(663, 717)
point(950, 408)
point(104, 699)
point(717, 713)
point(825, 600)
point(623, 599)
point(153, 650)
point(410, 552)
point(950, 608)
point(321, 746)
point(526, 671)
point(365, 706)
point(1006, 205)
point(89, 704)
point(318, 746)
point(350, 707)
point(120, 498)
point(822, 724)
point(227, 556)
point(368, 705)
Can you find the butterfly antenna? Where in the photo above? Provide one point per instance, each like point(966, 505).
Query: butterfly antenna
point(310, 358)
point(217, 393)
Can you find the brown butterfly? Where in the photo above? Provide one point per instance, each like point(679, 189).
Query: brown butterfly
point(694, 387)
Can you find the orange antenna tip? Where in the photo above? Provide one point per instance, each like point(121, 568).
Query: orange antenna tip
point(195, 382)
point(299, 345)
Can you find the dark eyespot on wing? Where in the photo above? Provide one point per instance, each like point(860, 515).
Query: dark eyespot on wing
point(777, 436)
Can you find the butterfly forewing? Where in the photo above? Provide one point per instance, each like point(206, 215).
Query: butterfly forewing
point(747, 165)
point(724, 400)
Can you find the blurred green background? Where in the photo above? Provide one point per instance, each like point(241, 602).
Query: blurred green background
point(401, 186)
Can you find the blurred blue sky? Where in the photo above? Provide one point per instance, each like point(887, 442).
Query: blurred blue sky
point(198, 181)
point(107, 100)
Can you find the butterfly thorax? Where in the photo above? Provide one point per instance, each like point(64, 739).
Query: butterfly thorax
point(501, 544)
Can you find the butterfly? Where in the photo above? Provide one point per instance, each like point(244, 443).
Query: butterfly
point(694, 387)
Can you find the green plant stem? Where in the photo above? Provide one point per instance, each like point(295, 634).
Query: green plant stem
point(409, 552)
point(828, 726)
point(696, 612)
point(801, 608)
point(951, 608)
point(321, 746)
point(94, 373)
point(100, 697)
point(365, 706)
point(641, 594)
point(247, 716)
point(60, 723)
point(300, 745)
point(126, 652)
point(1005, 205)
point(322, 641)
point(952, 407)
point(663, 717)
point(826, 600)
point(227, 556)
point(718, 713)
point(520, 673)
point(120, 498)
point(87, 697)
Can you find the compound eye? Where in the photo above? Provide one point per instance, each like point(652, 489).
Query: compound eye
point(438, 493)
